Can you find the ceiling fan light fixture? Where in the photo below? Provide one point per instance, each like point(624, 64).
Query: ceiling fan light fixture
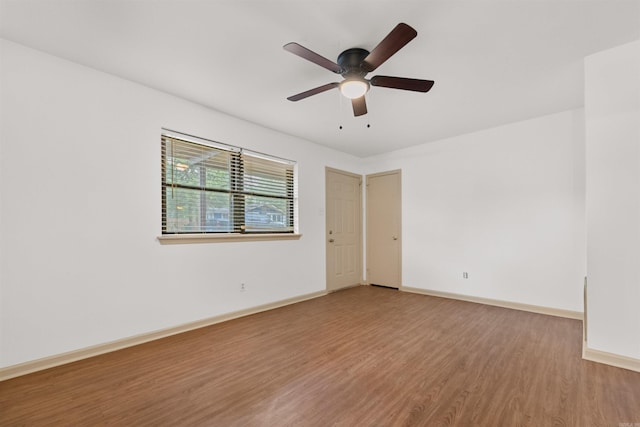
point(354, 88)
point(355, 63)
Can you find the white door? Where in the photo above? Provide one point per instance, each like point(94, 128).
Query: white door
point(343, 229)
point(384, 243)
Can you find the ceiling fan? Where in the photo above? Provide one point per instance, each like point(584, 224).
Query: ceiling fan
point(355, 63)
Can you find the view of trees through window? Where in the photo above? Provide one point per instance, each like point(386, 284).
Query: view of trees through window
point(208, 189)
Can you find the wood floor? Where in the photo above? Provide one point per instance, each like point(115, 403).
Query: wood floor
point(365, 356)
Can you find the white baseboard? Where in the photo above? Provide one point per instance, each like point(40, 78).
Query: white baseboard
point(84, 353)
point(617, 360)
point(498, 303)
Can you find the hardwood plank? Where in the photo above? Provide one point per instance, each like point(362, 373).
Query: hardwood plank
point(362, 356)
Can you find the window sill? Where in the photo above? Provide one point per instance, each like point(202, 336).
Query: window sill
point(171, 239)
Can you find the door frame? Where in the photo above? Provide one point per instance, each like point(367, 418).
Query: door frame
point(374, 175)
point(360, 251)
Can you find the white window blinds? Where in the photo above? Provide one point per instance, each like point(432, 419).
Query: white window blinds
point(213, 188)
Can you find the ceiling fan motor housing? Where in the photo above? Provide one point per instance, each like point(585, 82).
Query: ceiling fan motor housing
point(351, 62)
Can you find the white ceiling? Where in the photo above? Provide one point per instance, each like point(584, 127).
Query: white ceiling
point(494, 62)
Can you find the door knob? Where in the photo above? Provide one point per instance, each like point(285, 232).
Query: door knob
point(330, 240)
point(395, 237)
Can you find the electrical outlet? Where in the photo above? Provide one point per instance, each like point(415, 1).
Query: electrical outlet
point(465, 275)
point(242, 287)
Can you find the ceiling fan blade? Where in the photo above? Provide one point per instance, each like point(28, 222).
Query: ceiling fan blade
point(313, 91)
point(310, 55)
point(359, 106)
point(404, 83)
point(395, 40)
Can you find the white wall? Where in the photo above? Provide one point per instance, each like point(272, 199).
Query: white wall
point(80, 264)
point(612, 113)
point(505, 205)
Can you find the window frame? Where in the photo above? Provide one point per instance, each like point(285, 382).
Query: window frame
point(239, 231)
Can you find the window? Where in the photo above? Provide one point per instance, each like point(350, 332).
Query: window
point(209, 187)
